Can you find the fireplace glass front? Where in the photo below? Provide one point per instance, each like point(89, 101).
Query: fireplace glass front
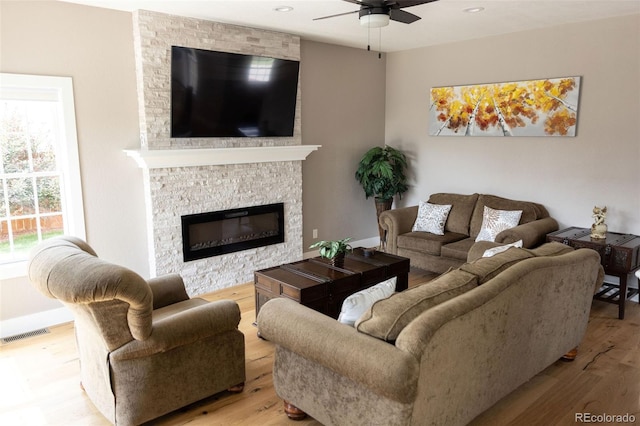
point(227, 231)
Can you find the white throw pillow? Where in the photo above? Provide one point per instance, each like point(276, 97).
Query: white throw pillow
point(431, 218)
point(493, 251)
point(355, 305)
point(496, 221)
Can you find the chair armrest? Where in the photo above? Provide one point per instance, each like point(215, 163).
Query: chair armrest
point(371, 362)
point(183, 328)
point(532, 233)
point(397, 222)
point(167, 290)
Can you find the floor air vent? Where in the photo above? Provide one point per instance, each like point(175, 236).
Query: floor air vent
point(10, 339)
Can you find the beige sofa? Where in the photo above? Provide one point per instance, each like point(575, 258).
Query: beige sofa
point(438, 253)
point(145, 347)
point(439, 353)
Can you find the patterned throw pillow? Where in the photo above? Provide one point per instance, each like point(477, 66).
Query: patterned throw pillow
point(496, 221)
point(431, 218)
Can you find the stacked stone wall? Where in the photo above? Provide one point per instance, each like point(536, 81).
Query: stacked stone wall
point(176, 191)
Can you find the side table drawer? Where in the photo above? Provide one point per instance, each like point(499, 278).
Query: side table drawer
point(614, 259)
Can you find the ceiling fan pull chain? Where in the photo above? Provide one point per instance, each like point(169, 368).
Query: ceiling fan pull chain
point(368, 38)
point(379, 43)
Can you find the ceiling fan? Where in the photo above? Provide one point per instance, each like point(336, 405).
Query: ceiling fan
point(377, 13)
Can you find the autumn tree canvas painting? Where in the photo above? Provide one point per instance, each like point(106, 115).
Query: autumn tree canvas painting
point(525, 108)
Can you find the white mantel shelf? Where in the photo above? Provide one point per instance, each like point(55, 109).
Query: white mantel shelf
point(161, 158)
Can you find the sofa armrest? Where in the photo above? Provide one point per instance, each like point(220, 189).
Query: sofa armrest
point(183, 328)
point(167, 290)
point(397, 222)
point(532, 233)
point(371, 362)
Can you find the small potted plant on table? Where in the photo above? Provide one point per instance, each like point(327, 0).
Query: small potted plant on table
point(335, 250)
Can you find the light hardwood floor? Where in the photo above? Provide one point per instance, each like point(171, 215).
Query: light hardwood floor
point(39, 379)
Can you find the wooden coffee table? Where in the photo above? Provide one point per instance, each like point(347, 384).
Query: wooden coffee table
point(320, 286)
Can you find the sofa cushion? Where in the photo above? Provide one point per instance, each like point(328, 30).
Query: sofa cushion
point(550, 249)
point(478, 248)
point(496, 221)
point(462, 207)
point(426, 242)
point(530, 211)
point(458, 249)
point(355, 305)
point(431, 218)
point(486, 268)
point(386, 318)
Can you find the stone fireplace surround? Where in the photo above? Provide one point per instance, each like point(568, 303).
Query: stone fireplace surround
point(196, 175)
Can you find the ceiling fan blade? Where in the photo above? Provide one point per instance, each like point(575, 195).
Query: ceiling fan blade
point(333, 16)
point(368, 3)
point(402, 16)
point(401, 4)
point(392, 7)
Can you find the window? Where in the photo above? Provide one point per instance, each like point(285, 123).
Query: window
point(260, 69)
point(39, 169)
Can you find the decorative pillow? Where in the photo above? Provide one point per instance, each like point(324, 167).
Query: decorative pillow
point(355, 305)
point(431, 218)
point(496, 221)
point(495, 250)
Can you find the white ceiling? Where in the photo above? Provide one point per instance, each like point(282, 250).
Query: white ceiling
point(443, 21)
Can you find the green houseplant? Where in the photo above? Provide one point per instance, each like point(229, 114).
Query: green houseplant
point(381, 172)
point(334, 250)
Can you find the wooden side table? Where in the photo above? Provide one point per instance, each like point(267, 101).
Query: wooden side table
point(619, 254)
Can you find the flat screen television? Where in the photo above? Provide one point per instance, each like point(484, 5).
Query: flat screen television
point(219, 94)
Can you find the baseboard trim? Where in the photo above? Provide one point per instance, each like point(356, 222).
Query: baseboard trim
point(27, 323)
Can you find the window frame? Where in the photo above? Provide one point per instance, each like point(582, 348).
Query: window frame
point(69, 161)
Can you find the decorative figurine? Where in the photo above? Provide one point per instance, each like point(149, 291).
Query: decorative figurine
point(599, 228)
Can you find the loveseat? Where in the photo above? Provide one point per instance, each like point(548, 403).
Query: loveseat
point(438, 253)
point(439, 353)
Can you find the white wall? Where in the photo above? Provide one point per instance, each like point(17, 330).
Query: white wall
point(343, 109)
point(600, 166)
point(95, 47)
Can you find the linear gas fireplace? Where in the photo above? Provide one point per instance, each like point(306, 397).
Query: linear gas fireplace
point(228, 231)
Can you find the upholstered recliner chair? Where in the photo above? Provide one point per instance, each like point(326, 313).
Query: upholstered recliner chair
point(145, 347)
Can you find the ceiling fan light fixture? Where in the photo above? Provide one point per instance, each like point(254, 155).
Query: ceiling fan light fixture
point(376, 20)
